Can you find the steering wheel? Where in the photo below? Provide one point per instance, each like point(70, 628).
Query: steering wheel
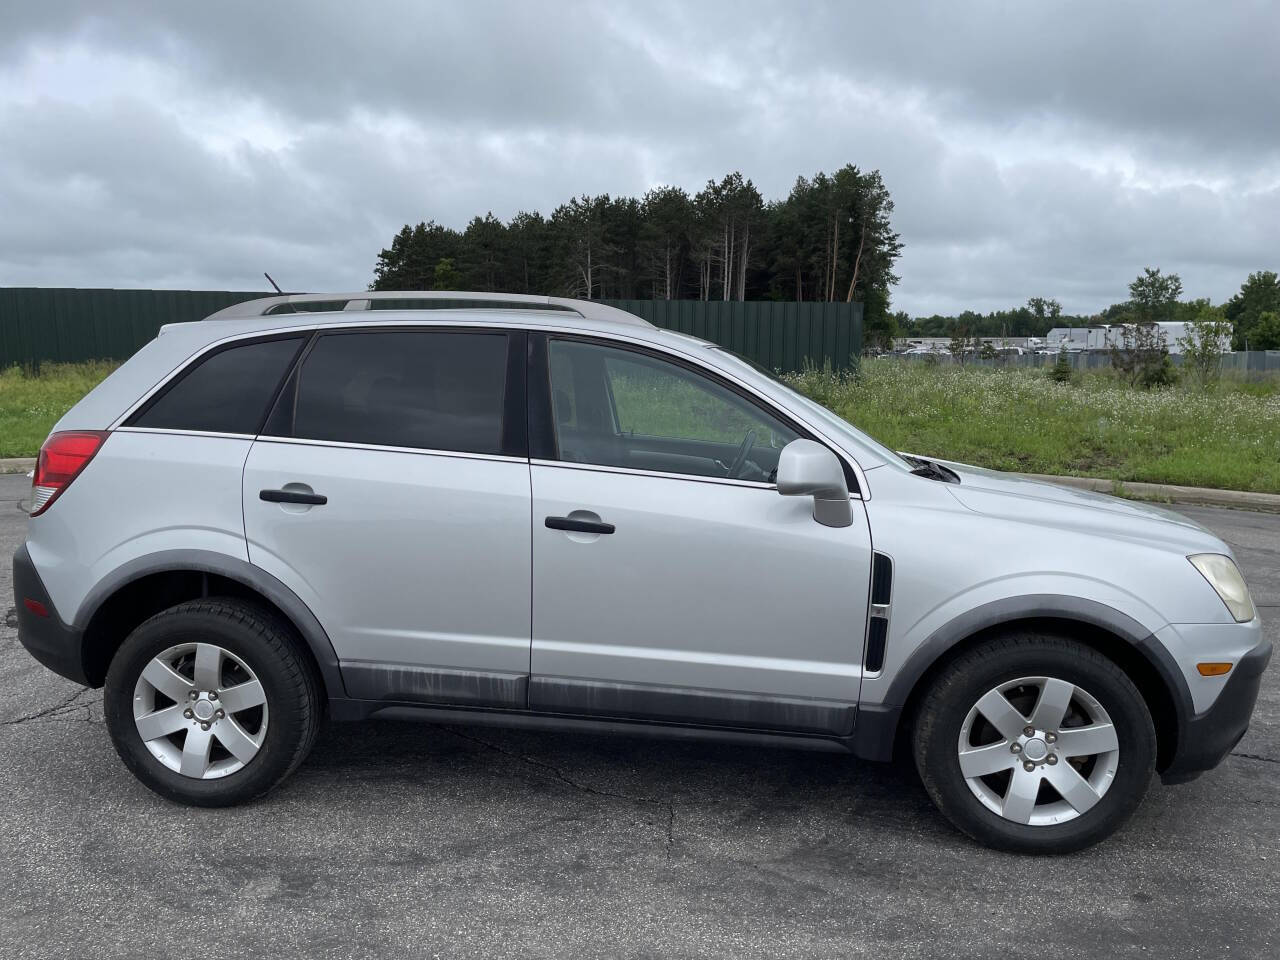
point(740, 457)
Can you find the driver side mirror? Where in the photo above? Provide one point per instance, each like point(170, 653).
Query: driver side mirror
point(808, 469)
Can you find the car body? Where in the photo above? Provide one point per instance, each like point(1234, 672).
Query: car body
point(546, 512)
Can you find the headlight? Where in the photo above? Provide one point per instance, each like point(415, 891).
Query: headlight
point(1225, 578)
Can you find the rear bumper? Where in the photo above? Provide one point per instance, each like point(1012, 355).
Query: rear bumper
point(46, 638)
point(1205, 739)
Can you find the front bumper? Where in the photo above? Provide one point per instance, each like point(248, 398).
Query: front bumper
point(46, 638)
point(1206, 738)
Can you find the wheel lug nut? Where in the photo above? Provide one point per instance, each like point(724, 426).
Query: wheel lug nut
point(193, 695)
point(204, 726)
point(1029, 731)
point(213, 694)
point(188, 714)
point(1051, 738)
point(1015, 747)
point(219, 714)
point(1051, 759)
point(1028, 766)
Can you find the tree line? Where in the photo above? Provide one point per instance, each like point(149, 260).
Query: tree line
point(829, 239)
point(1251, 316)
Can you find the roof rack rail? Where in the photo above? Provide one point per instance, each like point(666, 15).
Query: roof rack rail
point(290, 303)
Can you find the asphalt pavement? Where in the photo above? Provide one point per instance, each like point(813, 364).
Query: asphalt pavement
point(411, 840)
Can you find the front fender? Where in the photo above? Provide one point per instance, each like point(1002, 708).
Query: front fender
point(878, 718)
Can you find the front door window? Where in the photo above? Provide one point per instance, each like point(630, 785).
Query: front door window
point(621, 408)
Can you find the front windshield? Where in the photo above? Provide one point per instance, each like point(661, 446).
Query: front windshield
point(818, 411)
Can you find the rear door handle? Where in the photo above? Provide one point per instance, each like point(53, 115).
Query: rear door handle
point(578, 526)
point(292, 496)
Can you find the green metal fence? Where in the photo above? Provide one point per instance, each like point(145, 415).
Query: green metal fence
point(40, 325)
point(778, 335)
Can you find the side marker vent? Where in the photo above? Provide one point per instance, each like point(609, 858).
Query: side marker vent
point(881, 580)
point(878, 622)
point(877, 633)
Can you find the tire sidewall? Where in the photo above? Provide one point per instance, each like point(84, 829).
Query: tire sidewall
point(284, 720)
point(1098, 677)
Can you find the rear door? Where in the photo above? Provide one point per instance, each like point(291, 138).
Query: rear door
point(390, 491)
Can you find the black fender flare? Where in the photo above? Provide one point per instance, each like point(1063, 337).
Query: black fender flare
point(233, 568)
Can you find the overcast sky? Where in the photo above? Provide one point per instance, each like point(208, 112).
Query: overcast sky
point(1032, 147)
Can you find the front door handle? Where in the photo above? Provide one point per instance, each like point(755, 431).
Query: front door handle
point(578, 526)
point(293, 496)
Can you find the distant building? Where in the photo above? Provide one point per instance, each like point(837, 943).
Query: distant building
point(1103, 337)
point(919, 345)
point(1070, 339)
point(1174, 332)
point(1073, 339)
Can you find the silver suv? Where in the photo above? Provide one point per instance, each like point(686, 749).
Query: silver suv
point(547, 512)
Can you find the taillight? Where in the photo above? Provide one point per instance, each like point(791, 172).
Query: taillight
point(61, 459)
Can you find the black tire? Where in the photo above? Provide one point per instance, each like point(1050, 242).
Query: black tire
point(269, 648)
point(956, 690)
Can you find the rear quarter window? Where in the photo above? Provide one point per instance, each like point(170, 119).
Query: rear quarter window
point(226, 391)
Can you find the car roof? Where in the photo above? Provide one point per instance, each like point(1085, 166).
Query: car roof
point(398, 299)
point(218, 329)
point(425, 307)
point(387, 307)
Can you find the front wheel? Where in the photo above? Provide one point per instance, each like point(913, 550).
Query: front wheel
point(211, 702)
point(1035, 744)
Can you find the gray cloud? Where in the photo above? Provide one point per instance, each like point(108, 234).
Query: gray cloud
point(1031, 148)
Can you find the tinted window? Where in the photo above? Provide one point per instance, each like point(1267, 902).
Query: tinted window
point(627, 409)
point(227, 392)
point(433, 390)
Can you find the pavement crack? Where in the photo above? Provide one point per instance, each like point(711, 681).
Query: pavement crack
point(1255, 756)
point(52, 713)
point(11, 617)
point(559, 775)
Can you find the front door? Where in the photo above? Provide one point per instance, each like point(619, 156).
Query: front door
point(671, 581)
point(390, 492)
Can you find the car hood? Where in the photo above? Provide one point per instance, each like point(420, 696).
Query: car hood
point(1018, 498)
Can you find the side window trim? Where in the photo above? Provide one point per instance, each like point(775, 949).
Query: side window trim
point(514, 442)
point(542, 434)
point(284, 403)
point(304, 338)
point(542, 429)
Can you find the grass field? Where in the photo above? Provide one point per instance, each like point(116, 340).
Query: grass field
point(1007, 419)
point(1016, 419)
point(30, 405)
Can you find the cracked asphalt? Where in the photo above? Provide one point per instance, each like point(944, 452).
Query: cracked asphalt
point(414, 840)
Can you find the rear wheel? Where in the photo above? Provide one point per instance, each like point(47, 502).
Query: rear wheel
point(1035, 744)
point(211, 702)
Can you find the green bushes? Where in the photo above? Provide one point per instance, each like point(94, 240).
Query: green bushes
point(1061, 371)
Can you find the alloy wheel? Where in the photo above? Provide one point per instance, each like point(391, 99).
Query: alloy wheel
point(200, 710)
point(1038, 751)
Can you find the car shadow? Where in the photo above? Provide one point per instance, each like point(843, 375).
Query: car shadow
point(736, 781)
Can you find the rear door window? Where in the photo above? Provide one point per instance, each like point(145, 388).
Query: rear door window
point(226, 391)
point(425, 389)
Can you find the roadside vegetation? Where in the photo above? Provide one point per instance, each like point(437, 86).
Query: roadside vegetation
point(31, 402)
point(1090, 425)
point(1225, 434)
